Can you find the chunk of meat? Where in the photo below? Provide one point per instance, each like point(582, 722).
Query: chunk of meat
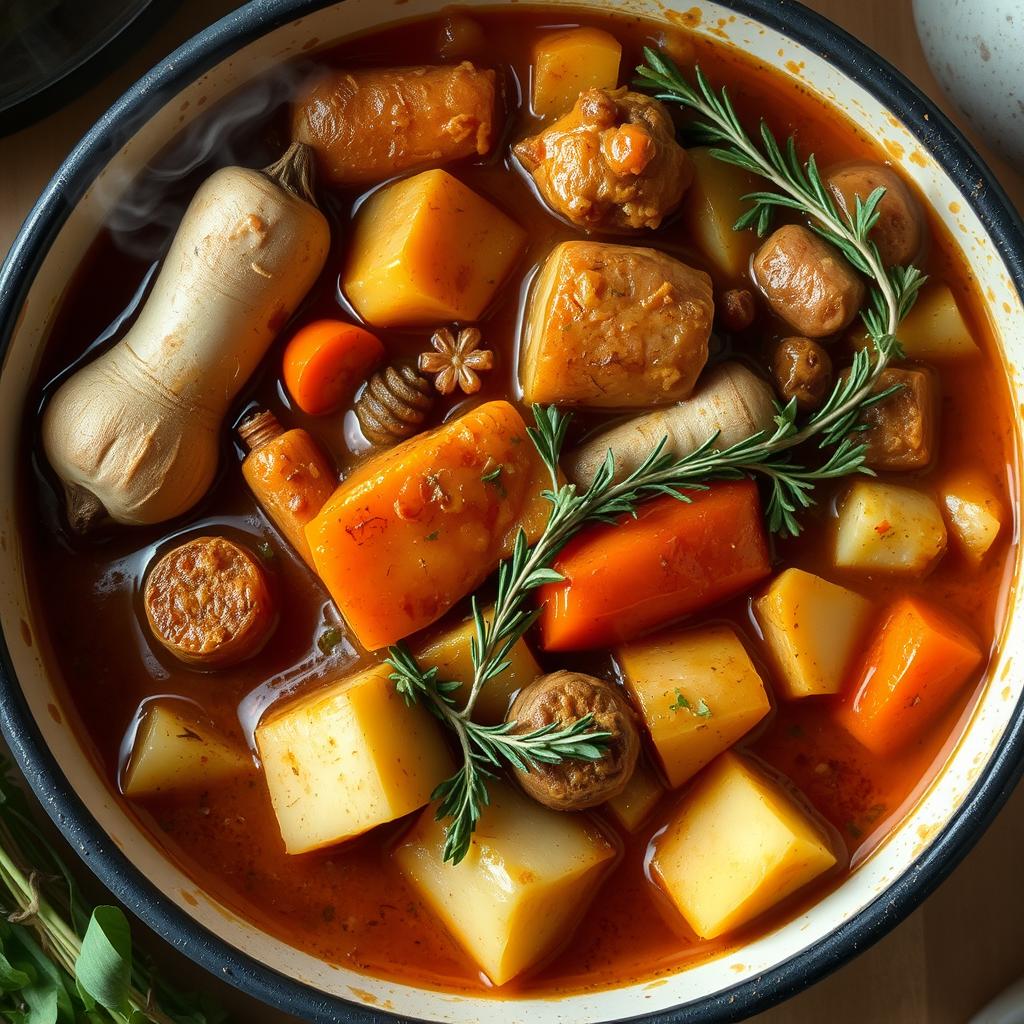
point(615, 326)
point(801, 369)
point(366, 126)
point(611, 164)
point(208, 603)
point(901, 429)
point(900, 227)
point(807, 282)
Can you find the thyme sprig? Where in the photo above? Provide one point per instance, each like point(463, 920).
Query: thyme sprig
point(766, 454)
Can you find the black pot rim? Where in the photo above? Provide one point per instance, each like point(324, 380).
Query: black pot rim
point(979, 190)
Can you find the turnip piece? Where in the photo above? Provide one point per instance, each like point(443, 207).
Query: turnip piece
point(134, 434)
point(730, 400)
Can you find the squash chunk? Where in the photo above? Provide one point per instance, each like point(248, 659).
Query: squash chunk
point(713, 203)
point(172, 751)
point(450, 655)
point(812, 628)
point(737, 846)
point(566, 63)
point(633, 806)
point(886, 528)
point(698, 692)
point(416, 528)
point(427, 250)
point(348, 758)
point(974, 513)
point(521, 889)
point(934, 330)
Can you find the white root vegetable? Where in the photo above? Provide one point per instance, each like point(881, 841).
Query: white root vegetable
point(730, 400)
point(134, 435)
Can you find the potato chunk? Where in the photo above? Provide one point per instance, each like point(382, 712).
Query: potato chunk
point(901, 429)
point(450, 655)
point(633, 806)
point(738, 845)
point(886, 528)
point(416, 528)
point(369, 125)
point(698, 692)
point(812, 628)
point(172, 751)
point(345, 759)
point(615, 326)
point(807, 282)
point(974, 513)
point(428, 250)
point(521, 889)
point(934, 330)
point(567, 62)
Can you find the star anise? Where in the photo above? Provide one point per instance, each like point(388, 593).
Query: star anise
point(456, 361)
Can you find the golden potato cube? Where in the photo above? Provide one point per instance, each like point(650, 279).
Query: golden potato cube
point(812, 628)
point(698, 692)
point(427, 250)
point(889, 528)
point(172, 751)
point(450, 655)
point(633, 806)
point(737, 845)
point(521, 889)
point(348, 758)
point(934, 329)
point(713, 203)
point(974, 513)
point(567, 62)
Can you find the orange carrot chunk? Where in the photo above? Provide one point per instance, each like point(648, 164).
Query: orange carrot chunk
point(326, 361)
point(911, 674)
point(674, 558)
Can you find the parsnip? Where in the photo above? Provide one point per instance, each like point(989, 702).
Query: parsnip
point(730, 400)
point(134, 435)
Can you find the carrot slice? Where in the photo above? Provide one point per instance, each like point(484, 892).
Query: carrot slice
point(326, 361)
point(621, 580)
point(911, 674)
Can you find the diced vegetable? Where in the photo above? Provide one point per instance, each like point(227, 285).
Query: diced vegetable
point(698, 692)
point(427, 250)
point(172, 751)
point(812, 628)
point(633, 806)
point(934, 329)
point(348, 758)
point(917, 665)
point(674, 558)
point(974, 513)
point(712, 205)
point(567, 62)
point(450, 655)
point(738, 845)
point(887, 528)
point(521, 889)
point(416, 528)
point(614, 326)
point(326, 361)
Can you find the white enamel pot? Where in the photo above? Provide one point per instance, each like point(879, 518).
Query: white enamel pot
point(949, 816)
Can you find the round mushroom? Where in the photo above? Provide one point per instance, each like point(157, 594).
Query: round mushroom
point(565, 697)
point(801, 369)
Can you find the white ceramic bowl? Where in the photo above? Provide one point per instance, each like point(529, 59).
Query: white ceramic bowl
point(955, 808)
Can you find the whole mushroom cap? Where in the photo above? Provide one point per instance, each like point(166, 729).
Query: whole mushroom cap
point(565, 697)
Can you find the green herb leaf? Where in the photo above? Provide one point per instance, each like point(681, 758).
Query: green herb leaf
point(104, 966)
point(703, 711)
point(329, 639)
point(680, 703)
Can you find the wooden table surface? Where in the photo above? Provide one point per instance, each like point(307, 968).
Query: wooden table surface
point(967, 942)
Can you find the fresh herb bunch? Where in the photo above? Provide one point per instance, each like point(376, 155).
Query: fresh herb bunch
point(767, 454)
point(59, 963)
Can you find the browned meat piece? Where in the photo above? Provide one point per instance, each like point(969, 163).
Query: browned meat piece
point(736, 309)
point(901, 428)
point(807, 282)
point(900, 226)
point(208, 603)
point(611, 164)
point(367, 126)
point(564, 698)
point(801, 369)
point(615, 326)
